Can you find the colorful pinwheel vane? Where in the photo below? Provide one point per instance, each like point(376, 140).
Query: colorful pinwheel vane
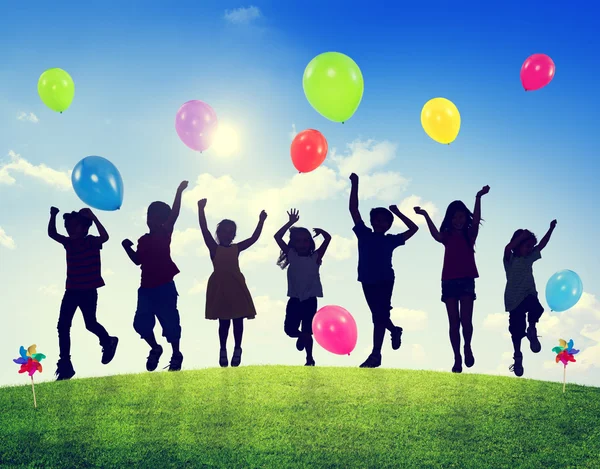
point(29, 360)
point(565, 352)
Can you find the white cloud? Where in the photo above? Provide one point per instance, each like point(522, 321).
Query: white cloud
point(496, 321)
point(51, 290)
point(383, 186)
point(6, 240)
point(409, 319)
point(199, 287)
point(107, 273)
point(341, 248)
point(31, 117)
point(243, 15)
point(294, 132)
point(189, 237)
point(418, 353)
point(268, 252)
point(364, 156)
point(407, 207)
point(59, 179)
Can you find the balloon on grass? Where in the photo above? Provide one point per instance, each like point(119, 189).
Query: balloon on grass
point(56, 89)
point(308, 150)
point(335, 330)
point(196, 124)
point(98, 183)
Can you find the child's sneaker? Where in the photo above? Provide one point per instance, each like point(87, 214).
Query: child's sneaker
point(300, 343)
point(373, 361)
point(310, 362)
point(469, 358)
point(175, 363)
point(517, 367)
point(108, 350)
point(237, 357)
point(153, 358)
point(223, 361)
point(396, 337)
point(534, 343)
point(64, 369)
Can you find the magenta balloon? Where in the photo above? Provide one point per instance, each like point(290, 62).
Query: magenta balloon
point(196, 123)
point(537, 71)
point(335, 330)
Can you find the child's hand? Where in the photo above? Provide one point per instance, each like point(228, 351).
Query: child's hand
point(394, 209)
point(294, 216)
point(182, 186)
point(484, 190)
point(319, 231)
point(87, 213)
point(262, 216)
point(54, 211)
point(420, 211)
point(353, 178)
point(126, 243)
point(553, 224)
point(202, 204)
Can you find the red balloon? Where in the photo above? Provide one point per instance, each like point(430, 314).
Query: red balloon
point(537, 71)
point(308, 150)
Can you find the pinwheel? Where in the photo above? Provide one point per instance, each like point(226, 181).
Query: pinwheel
point(30, 363)
point(564, 353)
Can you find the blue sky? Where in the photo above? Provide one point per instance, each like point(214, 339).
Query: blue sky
point(134, 66)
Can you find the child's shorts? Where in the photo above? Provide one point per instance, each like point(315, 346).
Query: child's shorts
point(299, 314)
point(379, 299)
point(159, 302)
point(457, 288)
point(529, 309)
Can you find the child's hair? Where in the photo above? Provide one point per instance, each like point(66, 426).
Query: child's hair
point(517, 234)
point(76, 217)
point(223, 223)
point(283, 260)
point(384, 212)
point(458, 206)
point(159, 211)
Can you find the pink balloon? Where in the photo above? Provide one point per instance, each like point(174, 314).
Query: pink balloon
point(537, 71)
point(196, 123)
point(335, 330)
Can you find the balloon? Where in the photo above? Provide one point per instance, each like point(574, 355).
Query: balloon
point(308, 150)
point(563, 291)
point(537, 71)
point(196, 124)
point(98, 183)
point(333, 85)
point(335, 330)
point(56, 89)
point(441, 120)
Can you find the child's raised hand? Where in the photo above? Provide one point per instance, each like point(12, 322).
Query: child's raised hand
point(353, 178)
point(54, 210)
point(393, 208)
point(484, 190)
point(553, 224)
point(262, 216)
point(202, 204)
point(294, 216)
point(127, 243)
point(420, 211)
point(319, 231)
point(182, 186)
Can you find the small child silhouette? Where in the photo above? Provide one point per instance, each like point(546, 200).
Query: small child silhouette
point(304, 284)
point(520, 295)
point(375, 271)
point(83, 280)
point(227, 296)
point(458, 234)
point(157, 295)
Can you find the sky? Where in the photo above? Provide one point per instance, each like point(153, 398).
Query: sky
point(135, 65)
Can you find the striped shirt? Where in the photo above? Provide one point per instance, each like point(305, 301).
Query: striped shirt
point(83, 263)
point(519, 279)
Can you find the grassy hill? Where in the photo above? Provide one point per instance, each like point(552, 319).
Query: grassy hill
point(296, 417)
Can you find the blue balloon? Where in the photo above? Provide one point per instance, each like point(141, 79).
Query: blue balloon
point(563, 290)
point(98, 183)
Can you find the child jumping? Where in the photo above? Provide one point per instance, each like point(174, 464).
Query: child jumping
point(227, 296)
point(157, 295)
point(520, 296)
point(83, 280)
point(458, 234)
point(375, 271)
point(304, 283)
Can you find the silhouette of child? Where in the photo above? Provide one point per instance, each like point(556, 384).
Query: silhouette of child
point(227, 296)
point(520, 295)
point(157, 295)
point(304, 284)
point(458, 234)
point(375, 271)
point(83, 280)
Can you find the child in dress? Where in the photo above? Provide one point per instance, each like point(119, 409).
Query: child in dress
point(83, 280)
point(157, 295)
point(458, 234)
point(304, 284)
point(227, 296)
point(520, 296)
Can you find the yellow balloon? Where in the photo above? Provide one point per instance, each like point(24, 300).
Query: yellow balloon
point(441, 120)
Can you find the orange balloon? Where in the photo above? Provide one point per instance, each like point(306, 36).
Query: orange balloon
point(308, 150)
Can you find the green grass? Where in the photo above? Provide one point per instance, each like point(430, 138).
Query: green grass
point(296, 417)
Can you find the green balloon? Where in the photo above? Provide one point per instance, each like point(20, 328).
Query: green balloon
point(56, 88)
point(333, 85)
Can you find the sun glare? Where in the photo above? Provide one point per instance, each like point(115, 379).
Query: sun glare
point(226, 141)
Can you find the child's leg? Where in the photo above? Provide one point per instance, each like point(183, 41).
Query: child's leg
point(454, 323)
point(238, 332)
point(223, 332)
point(168, 315)
point(293, 318)
point(65, 320)
point(308, 314)
point(466, 319)
point(144, 319)
point(379, 304)
point(516, 327)
point(88, 304)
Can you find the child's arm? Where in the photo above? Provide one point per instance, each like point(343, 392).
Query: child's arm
point(546, 237)
point(86, 212)
point(210, 242)
point(293, 218)
point(127, 245)
point(412, 227)
point(474, 230)
point(52, 227)
point(353, 205)
point(512, 245)
point(254, 238)
point(432, 228)
point(170, 224)
point(326, 240)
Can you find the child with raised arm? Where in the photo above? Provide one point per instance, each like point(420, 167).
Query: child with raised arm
point(227, 296)
point(375, 271)
point(521, 297)
point(157, 295)
point(458, 234)
point(83, 280)
point(303, 261)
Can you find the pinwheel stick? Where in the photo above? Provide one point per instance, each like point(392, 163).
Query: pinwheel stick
point(564, 377)
point(33, 388)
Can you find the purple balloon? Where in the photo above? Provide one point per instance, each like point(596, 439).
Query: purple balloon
point(196, 123)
